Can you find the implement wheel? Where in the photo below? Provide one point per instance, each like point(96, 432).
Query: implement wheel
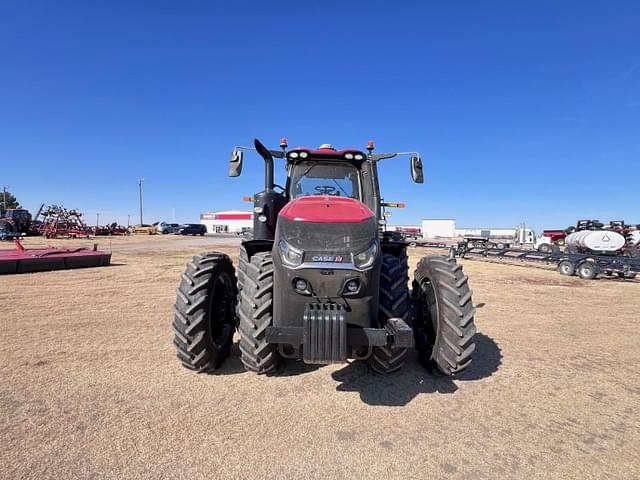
point(204, 320)
point(443, 315)
point(255, 313)
point(587, 270)
point(393, 302)
point(566, 267)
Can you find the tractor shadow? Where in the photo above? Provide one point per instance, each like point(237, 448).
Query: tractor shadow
point(398, 389)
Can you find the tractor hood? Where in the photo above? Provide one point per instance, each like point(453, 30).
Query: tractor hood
point(326, 209)
point(327, 225)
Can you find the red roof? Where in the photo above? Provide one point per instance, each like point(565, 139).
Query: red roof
point(326, 209)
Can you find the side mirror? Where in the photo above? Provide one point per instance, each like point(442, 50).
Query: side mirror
point(416, 170)
point(235, 163)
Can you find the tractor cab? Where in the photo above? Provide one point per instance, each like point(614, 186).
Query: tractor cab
point(324, 171)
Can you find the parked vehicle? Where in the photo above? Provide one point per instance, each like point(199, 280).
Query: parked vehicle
point(246, 232)
point(16, 221)
point(145, 229)
point(166, 228)
point(192, 229)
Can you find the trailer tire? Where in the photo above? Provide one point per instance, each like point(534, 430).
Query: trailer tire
point(443, 323)
point(627, 275)
point(566, 267)
point(393, 303)
point(587, 270)
point(256, 314)
point(204, 321)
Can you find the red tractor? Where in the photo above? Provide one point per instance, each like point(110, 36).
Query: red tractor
point(320, 280)
point(15, 222)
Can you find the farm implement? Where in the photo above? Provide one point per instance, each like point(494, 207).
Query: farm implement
point(586, 265)
point(23, 260)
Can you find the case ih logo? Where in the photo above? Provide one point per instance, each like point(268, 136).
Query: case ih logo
point(327, 258)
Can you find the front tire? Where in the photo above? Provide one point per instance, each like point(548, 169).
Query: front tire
point(393, 302)
point(256, 313)
point(443, 324)
point(204, 320)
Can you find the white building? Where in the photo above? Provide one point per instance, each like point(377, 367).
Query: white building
point(437, 228)
point(230, 221)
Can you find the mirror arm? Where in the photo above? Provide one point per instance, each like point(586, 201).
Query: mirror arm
point(383, 156)
point(274, 153)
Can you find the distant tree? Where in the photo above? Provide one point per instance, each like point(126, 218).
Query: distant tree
point(8, 200)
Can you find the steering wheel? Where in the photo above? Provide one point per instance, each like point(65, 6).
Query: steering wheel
point(325, 190)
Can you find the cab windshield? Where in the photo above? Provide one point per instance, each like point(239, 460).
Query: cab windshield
point(325, 178)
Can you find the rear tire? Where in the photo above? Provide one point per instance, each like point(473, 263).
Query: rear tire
point(204, 320)
point(443, 324)
point(393, 302)
point(256, 314)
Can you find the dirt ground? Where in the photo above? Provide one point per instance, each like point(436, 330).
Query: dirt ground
point(90, 386)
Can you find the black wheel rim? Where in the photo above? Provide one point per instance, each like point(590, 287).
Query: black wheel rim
point(221, 312)
point(427, 328)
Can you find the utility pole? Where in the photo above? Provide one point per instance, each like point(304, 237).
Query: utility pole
point(97, 220)
point(128, 220)
point(141, 203)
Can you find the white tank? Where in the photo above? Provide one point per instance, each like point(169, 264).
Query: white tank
point(634, 237)
point(596, 240)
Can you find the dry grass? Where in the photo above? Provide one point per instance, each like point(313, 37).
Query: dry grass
point(90, 387)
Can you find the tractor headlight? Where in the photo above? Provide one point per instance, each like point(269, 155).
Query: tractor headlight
point(366, 258)
point(291, 256)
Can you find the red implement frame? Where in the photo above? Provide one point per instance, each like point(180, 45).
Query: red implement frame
point(22, 260)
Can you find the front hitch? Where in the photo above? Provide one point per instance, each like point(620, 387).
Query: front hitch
point(400, 335)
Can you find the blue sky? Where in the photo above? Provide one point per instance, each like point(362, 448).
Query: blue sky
point(523, 111)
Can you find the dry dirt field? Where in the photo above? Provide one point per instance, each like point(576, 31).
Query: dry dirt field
point(90, 386)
